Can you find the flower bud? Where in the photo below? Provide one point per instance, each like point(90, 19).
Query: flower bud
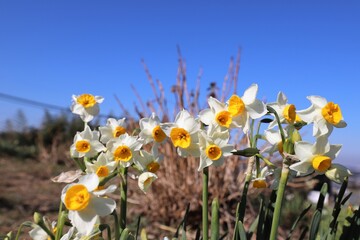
point(38, 218)
point(289, 146)
point(295, 136)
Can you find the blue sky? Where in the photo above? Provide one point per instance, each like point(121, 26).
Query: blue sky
point(50, 50)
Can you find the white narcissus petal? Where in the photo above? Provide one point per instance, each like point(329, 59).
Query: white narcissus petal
point(308, 115)
point(281, 99)
point(227, 149)
point(204, 161)
point(145, 180)
point(216, 105)
point(337, 173)
point(250, 94)
point(302, 167)
point(99, 99)
point(303, 151)
point(206, 116)
point(90, 181)
point(84, 221)
point(103, 206)
point(321, 146)
point(108, 190)
point(318, 101)
point(272, 136)
point(256, 109)
point(334, 151)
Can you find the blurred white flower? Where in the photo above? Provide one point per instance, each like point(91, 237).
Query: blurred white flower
point(145, 180)
point(151, 130)
point(113, 129)
point(86, 144)
point(103, 166)
point(86, 105)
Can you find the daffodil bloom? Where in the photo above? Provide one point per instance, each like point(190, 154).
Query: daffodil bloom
point(318, 157)
point(113, 129)
point(151, 130)
point(86, 144)
point(84, 206)
point(246, 107)
point(285, 111)
point(103, 166)
point(145, 180)
point(274, 138)
point(237, 111)
point(149, 162)
point(123, 149)
point(214, 147)
point(260, 180)
point(86, 105)
point(325, 115)
point(183, 133)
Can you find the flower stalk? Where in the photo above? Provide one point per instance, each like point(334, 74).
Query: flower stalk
point(205, 203)
point(123, 198)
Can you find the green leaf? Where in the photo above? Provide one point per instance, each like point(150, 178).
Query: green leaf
point(315, 222)
point(125, 234)
point(242, 232)
point(215, 220)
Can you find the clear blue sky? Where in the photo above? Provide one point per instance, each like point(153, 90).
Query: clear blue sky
point(50, 50)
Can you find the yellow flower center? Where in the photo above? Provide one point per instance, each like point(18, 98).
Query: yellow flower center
point(119, 131)
point(259, 183)
point(332, 113)
point(180, 137)
point(321, 163)
point(236, 105)
point(213, 152)
point(82, 146)
point(158, 134)
point(86, 100)
point(122, 153)
point(77, 197)
point(153, 167)
point(102, 171)
point(223, 118)
point(289, 113)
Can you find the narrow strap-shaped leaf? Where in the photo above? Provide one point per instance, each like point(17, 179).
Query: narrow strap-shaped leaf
point(260, 220)
point(242, 232)
point(346, 198)
point(215, 220)
point(302, 214)
point(315, 222)
point(124, 234)
point(337, 206)
point(138, 227)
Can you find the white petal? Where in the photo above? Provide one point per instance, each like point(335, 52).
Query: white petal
point(322, 146)
point(107, 190)
point(90, 181)
point(281, 99)
point(303, 151)
point(206, 116)
point(84, 221)
point(250, 94)
point(204, 161)
point(302, 167)
point(308, 115)
point(103, 206)
point(337, 173)
point(318, 101)
point(334, 151)
point(272, 136)
point(216, 105)
point(257, 109)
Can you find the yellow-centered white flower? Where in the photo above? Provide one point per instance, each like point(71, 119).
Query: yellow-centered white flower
point(145, 180)
point(151, 130)
point(149, 162)
point(86, 105)
point(113, 129)
point(123, 149)
point(325, 115)
point(237, 111)
point(102, 167)
point(183, 133)
point(285, 111)
point(214, 147)
point(274, 138)
point(85, 204)
point(318, 157)
point(86, 144)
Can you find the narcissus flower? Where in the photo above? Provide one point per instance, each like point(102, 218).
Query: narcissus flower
point(237, 111)
point(285, 111)
point(84, 206)
point(214, 147)
point(102, 167)
point(86, 144)
point(274, 138)
point(145, 180)
point(325, 115)
point(318, 157)
point(113, 129)
point(86, 105)
point(149, 162)
point(183, 133)
point(151, 130)
point(123, 149)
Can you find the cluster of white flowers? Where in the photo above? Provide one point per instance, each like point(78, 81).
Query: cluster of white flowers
point(206, 136)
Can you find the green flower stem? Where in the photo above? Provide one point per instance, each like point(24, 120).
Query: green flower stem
point(123, 198)
point(248, 178)
point(60, 222)
point(205, 203)
point(279, 198)
point(117, 225)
